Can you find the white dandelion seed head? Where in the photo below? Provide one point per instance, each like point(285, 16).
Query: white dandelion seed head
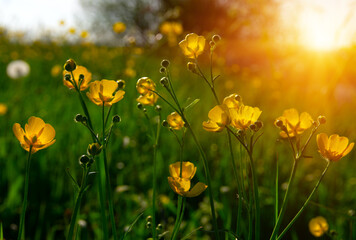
point(18, 69)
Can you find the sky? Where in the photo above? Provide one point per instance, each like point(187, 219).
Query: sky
point(322, 23)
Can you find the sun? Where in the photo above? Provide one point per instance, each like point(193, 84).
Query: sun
point(323, 29)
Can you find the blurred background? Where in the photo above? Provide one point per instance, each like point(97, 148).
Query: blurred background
point(275, 54)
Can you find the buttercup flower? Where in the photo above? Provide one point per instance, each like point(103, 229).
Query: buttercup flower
point(77, 72)
point(3, 109)
point(193, 45)
point(119, 27)
point(175, 121)
point(318, 226)
point(147, 99)
point(56, 70)
point(181, 185)
point(37, 134)
point(243, 117)
point(105, 92)
point(171, 30)
point(72, 30)
point(294, 123)
point(218, 119)
point(84, 34)
point(334, 147)
point(145, 85)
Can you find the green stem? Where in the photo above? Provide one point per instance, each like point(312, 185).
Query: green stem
point(102, 198)
point(305, 203)
point(276, 193)
point(179, 218)
point(208, 178)
point(24, 204)
point(108, 185)
point(284, 203)
point(256, 197)
point(77, 203)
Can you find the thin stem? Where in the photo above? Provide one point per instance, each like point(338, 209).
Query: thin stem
point(179, 209)
point(102, 198)
point(24, 204)
point(305, 203)
point(107, 116)
point(77, 203)
point(108, 185)
point(165, 100)
point(256, 197)
point(284, 203)
point(276, 193)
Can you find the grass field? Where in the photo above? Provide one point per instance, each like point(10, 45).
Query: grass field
point(271, 79)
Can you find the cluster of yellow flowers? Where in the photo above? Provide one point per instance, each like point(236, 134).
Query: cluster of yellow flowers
point(234, 113)
point(181, 175)
point(171, 30)
point(145, 86)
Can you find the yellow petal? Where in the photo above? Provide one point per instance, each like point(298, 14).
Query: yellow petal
point(306, 120)
point(188, 170)
point(34, 126)
point(219, 114)
point(196, 190)
point(19, 133)
point(47, 135)
point(291, 116)
point(348, 149)
point(322, 141)
point(212, 126)
point(179, 185)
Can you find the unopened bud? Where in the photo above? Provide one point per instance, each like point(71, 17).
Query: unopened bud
point(148, 225)
point(279, 123)
point(139, 106)
point(238, 97)
point(192, 67)
point(159, 227)
point(78, 118)
point(165, 63)
point(165, 123)
point(121, 84)
point(67, 77)
point(148, 218)
point(116, 119)
point(322, 119)
point(81, 77)
point(253, 127)
point(94, 149)
point(158, 108)
point(162, 70)
point(240, 132)
point(84, 119)
point(259, 124)
point(83, 160)
point(70, 65)
point(212, 44)
point(216, 38)
point(164, 82)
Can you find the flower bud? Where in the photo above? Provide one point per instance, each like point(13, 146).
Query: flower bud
point(165, 63)
point(216, 38)
point(81, 77)
point(84, 119)
point(148, 218)
point(159, 227)
point(165, 123)
point(70, 65)
point(321, 119)
point(116, 119)
point(162, 70)
point(140, 106)
point(164, 82)
point(279, 123)
point(83, 160)
point(212, 44)
point(121, 84)
point(148, 225)
point(192, 67)
point(253, 127)
point(67, 77)
point(238, 97)
point(78, 118)
point(158, 108)
point(94, 149)
point(259, 124)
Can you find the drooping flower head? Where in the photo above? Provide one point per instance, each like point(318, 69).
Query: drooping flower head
point(244, 116)
point(193, 45)
point(334, 147)
point(233, 101)
point(181, 185)
point(119, 27)
point(37, 134)
point(105, 92)
point(79, 70)
point(318, 226)
point(175, 121)
point(294, 123)
point(149, 98)
point(218, 119)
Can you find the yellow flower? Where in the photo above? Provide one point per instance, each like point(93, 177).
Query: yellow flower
point(77, 72)
point(145, 85)
point(175, 121)
point(188, 170)
point(56, 70)
point(119, 27)
point(61, 22)
point(193, 45)
point(294, 123)
point(171, 30)
point(84, 34)
point(243, 117)
point(181, 185)
point(37, 134)
point(334, 147)
point(233, 101)
point(105, 92)
point(318, 226)
point(148, 99)
point(72, 30)
point(130, 72)
point(3, 109)
point(218, 119)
